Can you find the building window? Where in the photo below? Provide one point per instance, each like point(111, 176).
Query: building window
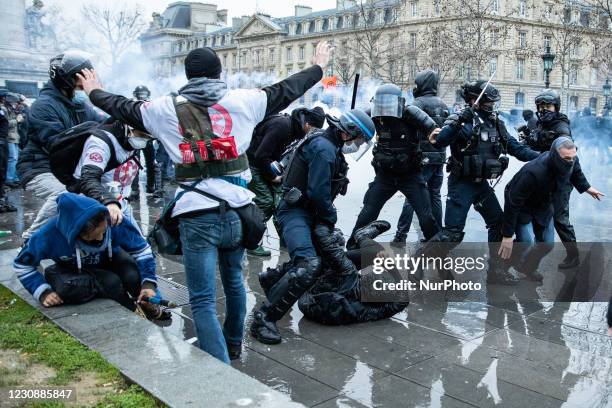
point(413, 41)
point(339, 22)
point(495, 7)
point(522, 35)
point(573, 103)
point(437, 7)
point(325, 24)
point(520, 68)
point(256, 57)
point(271, 56)
point(494, 36)
point(414, 8)
point(458, 97)
point(575, 50)
point(311, 27)
point(548, 8)
point(519, 99)
point(573, 75)
point(301, 53)
point(522, 7)
point(492, 66)
point(222, 40)
point(289, 54)
point(243, 57)
point(234, 60)
point(225, 61)
point(593, 104)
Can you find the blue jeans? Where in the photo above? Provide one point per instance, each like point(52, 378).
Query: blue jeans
point(13, 155)
point(207, 238)
point(165, 163)
point(433, 176)
point(541, 239)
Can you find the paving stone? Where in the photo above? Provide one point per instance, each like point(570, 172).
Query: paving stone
point(340, 402)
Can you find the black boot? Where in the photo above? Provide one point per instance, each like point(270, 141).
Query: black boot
point(264, 330)
point(572, 259)
point(234, 350)
point(270, 276)
point(135, 194)
point(371, 231)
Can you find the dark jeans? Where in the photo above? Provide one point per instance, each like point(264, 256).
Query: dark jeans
point(462, 194)
point(433, 176)
point(296, 224)
point(108, 280)
point(150, 166)
point(3, 164)
point(166, 165)
point(383, 187)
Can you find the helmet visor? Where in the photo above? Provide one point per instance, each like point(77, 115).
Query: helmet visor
point(364, 146)
point(387, 105)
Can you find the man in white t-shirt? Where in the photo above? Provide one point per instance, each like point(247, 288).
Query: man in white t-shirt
point(207, 234)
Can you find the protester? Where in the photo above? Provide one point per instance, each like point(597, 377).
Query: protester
point(92, 259)
point(270, 139)
point(5, 124)
point(15, 118)
point(210, 231)
point(59, 106)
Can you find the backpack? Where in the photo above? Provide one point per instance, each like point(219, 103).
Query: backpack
point(67, 148)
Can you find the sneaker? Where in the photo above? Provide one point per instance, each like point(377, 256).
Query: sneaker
point(265, 331)
point(259, 251)
point(155, 312)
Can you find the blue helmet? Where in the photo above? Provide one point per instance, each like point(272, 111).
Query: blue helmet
point(354, 123)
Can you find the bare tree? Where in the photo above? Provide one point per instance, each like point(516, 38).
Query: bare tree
point(120, 27)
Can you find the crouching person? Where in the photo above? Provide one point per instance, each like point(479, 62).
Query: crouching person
point(92, 259)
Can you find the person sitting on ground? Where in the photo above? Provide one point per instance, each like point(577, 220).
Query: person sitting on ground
point(92, 259)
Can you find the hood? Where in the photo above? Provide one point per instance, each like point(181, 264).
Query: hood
point(49, 90)
point(203, 91)
point(426, 83)
point(73, 212)
point(560, 167)
point(296, 123)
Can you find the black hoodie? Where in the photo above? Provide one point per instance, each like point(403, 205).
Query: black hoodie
point(549, 128)
point(426, 99)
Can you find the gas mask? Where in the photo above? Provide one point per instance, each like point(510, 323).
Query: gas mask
point(545, 115)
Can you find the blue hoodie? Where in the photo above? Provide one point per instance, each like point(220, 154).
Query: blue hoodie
point(58, 240)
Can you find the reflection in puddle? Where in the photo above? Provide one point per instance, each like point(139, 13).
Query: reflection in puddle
point(489, 381)
point(359, 385)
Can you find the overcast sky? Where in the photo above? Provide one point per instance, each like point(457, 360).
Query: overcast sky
point(236, 8)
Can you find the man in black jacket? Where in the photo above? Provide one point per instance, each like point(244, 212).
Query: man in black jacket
point(397, 159)
point(57, 109)
point(530, 195)
point(426, 98)
point(210, 232)
point(551, 125)
point(270, 139)
point(5, 206)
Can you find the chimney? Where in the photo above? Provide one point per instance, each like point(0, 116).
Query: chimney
point(302, 10)
point(236, 23)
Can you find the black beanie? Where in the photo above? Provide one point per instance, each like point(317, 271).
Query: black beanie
point(202, 62)
point(315, 116)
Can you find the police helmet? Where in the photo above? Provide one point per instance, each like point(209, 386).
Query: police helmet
point(549, 96)
point(471, 90)
point(354, 123)
point(141, 93)
point(64, 67)
point(388, 101)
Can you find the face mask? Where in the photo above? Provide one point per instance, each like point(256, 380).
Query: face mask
point(351, 148)
point(80, 97)
point(546, 115)
point(138, 143)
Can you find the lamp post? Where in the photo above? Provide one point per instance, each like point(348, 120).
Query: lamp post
point(606, 91)
point(548, 59)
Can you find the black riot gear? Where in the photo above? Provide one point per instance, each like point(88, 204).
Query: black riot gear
point(354, 123)
point(471, 90)
point(388, 101)
point(548, 96)
point(142, 93)
point(64, 67)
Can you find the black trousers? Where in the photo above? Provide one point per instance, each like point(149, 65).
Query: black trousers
point(112, 280)
point(150, 165)
point(384, 186)
point(3, 164)
point(563, 226)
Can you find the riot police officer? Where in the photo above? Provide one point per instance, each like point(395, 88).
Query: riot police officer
point(551, 125)
point(427, 99)
point(397, 159)
point(479, 143)
point(314, 176)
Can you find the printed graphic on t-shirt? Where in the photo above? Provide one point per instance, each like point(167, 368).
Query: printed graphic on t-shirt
point(221, 120)
point(95, 157)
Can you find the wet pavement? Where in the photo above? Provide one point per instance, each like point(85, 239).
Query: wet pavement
point(435, 353)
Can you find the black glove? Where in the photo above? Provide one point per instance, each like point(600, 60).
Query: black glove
point(466, 115)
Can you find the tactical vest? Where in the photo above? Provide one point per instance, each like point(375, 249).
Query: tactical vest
point(206, 155)
point(481, 160)
point(397, 147)
point(431, 155)
point(295, 177)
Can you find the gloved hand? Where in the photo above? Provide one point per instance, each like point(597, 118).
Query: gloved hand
point(466, 115)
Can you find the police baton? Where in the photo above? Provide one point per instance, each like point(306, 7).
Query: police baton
point(355, 85)
point(482, 93)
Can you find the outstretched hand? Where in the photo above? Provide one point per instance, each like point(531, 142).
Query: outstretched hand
point(89, 80)
point(322, 54)
point(596, 194)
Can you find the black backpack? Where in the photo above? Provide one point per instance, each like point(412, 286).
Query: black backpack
point(67, 148)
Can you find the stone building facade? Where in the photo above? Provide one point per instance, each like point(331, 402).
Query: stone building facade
point(277, 47)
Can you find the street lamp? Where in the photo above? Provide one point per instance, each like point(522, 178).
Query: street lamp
point(606, 90)
point(548, 59)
